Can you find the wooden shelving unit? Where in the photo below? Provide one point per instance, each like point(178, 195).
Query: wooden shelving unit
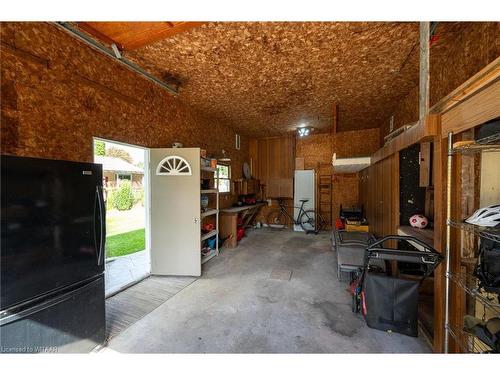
point(210, 212)
point(462, 280)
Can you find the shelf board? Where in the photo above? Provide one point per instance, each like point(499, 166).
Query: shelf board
point(484, 232)
point(470, 284)
point(491, 143)
point(208, 169)
point(426, 235)
point(467, 342)
point(209, 212)
point(208, 235)
point(209, 191)
point(210, 255)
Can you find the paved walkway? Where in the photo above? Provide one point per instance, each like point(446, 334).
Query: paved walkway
point(122, 271)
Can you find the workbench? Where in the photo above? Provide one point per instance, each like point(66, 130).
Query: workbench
point(229, 221)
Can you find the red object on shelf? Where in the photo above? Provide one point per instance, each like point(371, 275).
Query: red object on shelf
point(208, 227)
point(240, 233)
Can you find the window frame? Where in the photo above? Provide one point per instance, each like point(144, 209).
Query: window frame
point(223, 178)
point(118, 179)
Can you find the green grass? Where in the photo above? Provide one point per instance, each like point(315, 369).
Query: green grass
point(125, 243)
point(124, 221)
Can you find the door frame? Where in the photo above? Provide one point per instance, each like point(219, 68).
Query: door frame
point(147, 193)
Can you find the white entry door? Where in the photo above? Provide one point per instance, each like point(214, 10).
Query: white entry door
point(175, 211)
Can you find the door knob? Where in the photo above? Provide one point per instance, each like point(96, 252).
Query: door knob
point(195, 220)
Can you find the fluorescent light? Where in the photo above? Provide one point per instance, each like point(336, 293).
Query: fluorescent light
point(304, 131)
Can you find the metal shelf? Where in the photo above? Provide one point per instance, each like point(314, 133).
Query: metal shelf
point(470, 284)
point(467, 342)
point(209, 191)
point(208, 235)
point(487, 233)
point(208, 169)
point(488, 144)
point(210, 255)
point(209, 213)
point(214, 211)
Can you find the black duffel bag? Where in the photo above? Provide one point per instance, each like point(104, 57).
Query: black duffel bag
point(487, 269)
point(391, 304)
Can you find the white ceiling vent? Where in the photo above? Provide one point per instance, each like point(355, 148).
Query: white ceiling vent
point(173, 166)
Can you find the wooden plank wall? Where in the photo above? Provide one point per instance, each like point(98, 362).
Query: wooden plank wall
point(273, 163)
point(379, 194)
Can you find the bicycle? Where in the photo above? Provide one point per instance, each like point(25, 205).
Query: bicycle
point(278, 218)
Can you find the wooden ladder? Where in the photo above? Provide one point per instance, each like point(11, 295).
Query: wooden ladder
point(324, 192)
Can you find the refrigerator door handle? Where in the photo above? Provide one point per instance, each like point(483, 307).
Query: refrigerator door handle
point(102, 237)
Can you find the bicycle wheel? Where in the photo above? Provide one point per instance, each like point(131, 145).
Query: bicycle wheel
point(311, 221)
point(277, 219)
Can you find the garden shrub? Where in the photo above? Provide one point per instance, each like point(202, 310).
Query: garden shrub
point(124, 198)
point(110, 200)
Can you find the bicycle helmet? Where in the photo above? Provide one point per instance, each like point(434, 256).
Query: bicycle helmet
point(486, 217)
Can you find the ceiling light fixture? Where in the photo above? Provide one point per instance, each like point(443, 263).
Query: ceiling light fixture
point(304, 131)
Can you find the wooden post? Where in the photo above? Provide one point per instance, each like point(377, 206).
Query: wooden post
point(335, 119)
point(423, 104)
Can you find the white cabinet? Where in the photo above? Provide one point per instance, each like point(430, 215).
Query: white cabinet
point(304, 188)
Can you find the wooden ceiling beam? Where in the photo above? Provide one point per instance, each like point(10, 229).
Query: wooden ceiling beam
point(424, 71)
point(103, 38)
point(335, 118)
point(133, 35)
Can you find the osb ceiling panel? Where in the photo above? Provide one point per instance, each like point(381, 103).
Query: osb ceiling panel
point(266, 78)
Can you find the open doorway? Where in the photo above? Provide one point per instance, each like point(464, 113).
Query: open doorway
point(125, 193)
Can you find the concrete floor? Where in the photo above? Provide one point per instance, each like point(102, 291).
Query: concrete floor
point(235, 307)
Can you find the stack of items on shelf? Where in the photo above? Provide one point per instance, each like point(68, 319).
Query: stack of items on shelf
point(209, 203)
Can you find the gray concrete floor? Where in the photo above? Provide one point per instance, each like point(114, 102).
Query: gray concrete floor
point(124, 270)
point(235, 307)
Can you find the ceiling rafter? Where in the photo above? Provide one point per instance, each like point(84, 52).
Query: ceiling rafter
point(132, 35)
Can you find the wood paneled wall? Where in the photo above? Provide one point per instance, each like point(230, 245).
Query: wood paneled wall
point(379, 194)
point(272, 162)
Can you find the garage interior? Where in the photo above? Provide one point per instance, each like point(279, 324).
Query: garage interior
point(388, 117)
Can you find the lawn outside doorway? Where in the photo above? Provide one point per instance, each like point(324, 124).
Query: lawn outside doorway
point(125, 233)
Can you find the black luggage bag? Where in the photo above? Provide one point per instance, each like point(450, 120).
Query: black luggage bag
point(391, 303)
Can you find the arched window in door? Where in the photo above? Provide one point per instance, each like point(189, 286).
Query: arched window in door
point(173, 166)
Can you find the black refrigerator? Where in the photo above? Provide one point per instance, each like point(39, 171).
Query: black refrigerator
point(52, 256)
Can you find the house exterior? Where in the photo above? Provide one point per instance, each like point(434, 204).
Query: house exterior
point(115, 170)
